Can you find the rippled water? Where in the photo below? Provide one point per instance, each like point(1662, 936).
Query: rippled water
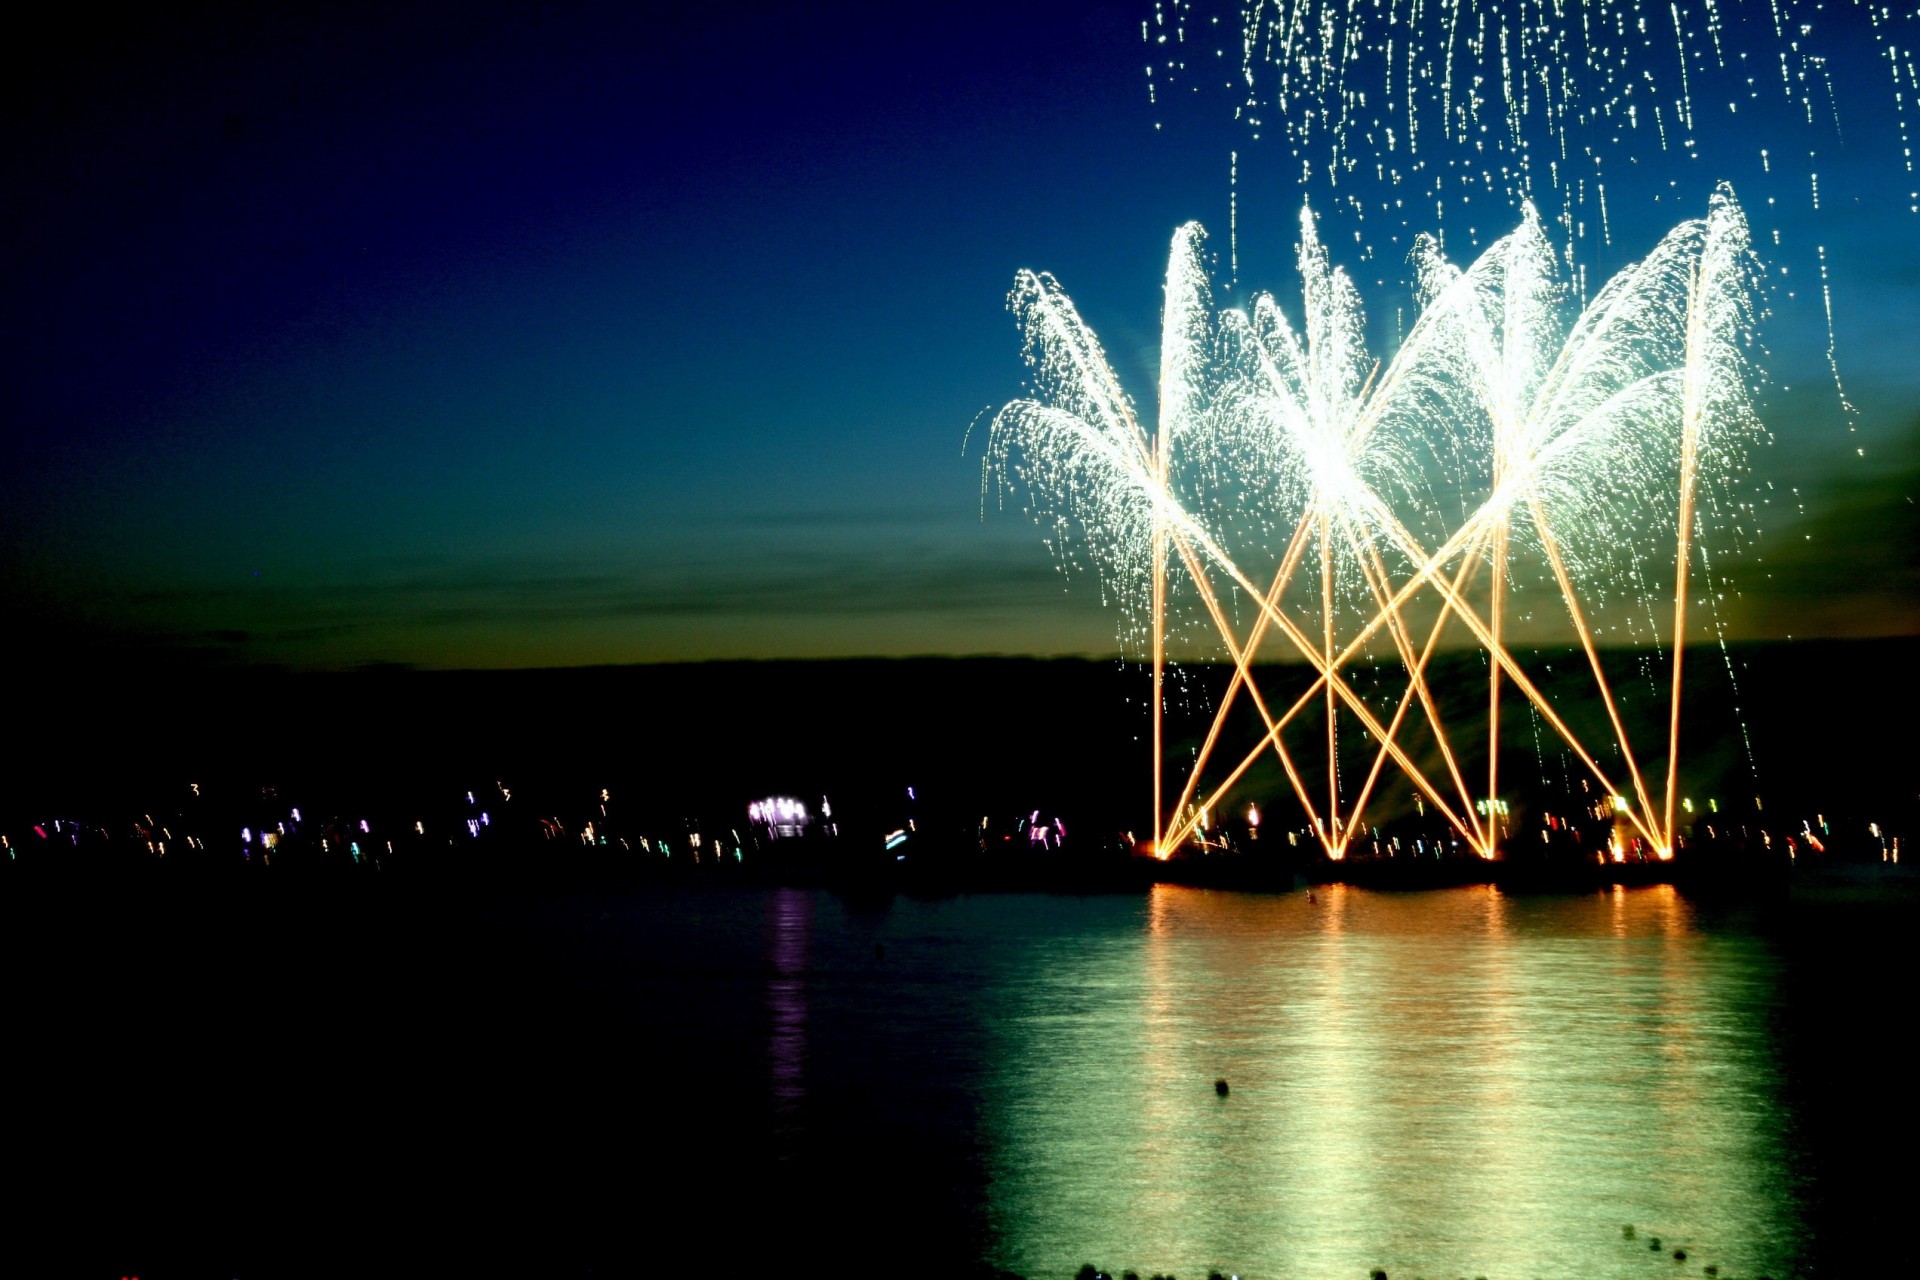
point(1449, 1083)
point(757, 1081)
point(1456, 1083)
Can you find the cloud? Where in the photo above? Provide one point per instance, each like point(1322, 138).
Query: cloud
point(904, 587)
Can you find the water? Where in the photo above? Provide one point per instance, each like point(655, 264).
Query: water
point(1457, 1083)
point(1454, 1083)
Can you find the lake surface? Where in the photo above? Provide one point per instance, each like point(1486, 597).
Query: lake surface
point(1448, 1083)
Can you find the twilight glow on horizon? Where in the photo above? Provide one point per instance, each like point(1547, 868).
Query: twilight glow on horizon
point(489, 337)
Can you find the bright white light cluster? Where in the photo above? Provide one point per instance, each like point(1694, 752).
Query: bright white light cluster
point(1504, 402)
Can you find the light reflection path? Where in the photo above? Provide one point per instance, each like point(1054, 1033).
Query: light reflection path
point(1453, 1083)
point(789, 927)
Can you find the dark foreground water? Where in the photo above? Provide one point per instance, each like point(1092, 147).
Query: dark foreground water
point(1454, 1083)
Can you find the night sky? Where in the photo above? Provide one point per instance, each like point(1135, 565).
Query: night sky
point(464, 336)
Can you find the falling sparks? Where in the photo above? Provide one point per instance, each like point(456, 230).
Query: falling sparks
point(1523, 100)
point(1414, 112)
point(1415, 107)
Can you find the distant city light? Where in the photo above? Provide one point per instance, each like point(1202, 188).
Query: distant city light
point(783, 816)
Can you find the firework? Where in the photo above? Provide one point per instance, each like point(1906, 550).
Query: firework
point(1562, 437)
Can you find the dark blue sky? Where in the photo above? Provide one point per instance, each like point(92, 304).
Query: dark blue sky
point(475, 336)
